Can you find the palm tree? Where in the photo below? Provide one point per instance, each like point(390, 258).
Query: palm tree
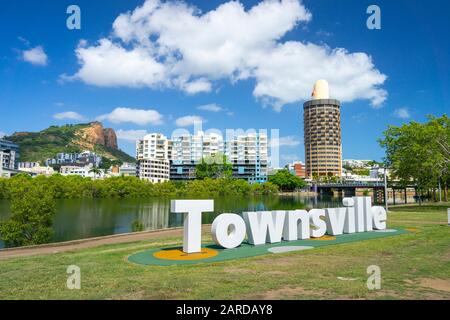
point(96, 171)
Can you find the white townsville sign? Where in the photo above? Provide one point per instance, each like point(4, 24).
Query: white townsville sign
point(229, 229)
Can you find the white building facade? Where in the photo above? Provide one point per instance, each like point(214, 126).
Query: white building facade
point(83, 171)
point(152, 155)
point(248, 153)
point(186, 151)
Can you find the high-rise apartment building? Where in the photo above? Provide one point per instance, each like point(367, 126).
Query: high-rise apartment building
point(186, 151)
point(246, 152)
point(322, 133)
point(248, 155)
point(152, 155)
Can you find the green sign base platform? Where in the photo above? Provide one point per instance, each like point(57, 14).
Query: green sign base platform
point(212, 253)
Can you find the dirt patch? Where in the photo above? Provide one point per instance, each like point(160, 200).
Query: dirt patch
point(289, 293)
point(446, 256)
point(436, 284)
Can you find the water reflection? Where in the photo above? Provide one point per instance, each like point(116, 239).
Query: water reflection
point(83, 218)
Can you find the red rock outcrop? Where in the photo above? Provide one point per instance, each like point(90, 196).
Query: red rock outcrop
point(96, 134)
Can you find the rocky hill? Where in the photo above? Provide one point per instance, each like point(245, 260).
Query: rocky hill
point(39, 146)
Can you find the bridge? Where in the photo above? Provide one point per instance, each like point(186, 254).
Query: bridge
point(353, 188)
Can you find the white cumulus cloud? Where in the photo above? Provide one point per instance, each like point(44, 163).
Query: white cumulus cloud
point(212, 107)
point(137, 116)
point(189, 121)
point(68, 115)
point(172, 44)
point(402, 113)
point(131, 135)
point(2, 134)
point(36, 56)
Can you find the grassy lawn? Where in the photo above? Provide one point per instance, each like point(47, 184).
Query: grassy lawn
point(415, 265)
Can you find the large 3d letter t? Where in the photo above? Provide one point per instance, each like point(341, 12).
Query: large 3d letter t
point(192, 229)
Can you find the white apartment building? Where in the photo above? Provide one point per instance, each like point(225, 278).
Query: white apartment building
point(192, 148)
point(152, 154)
point(186, 151)
point(127, 169)
point(249, 155)
point(80, 171)
point(38, 170)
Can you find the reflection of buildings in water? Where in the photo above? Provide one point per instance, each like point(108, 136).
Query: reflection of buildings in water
point(154, 215)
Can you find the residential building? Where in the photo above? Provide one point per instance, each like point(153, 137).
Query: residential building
point(152, 154)
point(38, 170)
point(186, 151)
point(322, 132)
point(9, 154)
point(356, 164)
point(84, 158)
point(297, 168)
point(79, 170)
point(127, 169)
point(248, 153)
point(28, 165)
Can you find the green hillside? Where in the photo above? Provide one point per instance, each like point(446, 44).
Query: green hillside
point(39, 146)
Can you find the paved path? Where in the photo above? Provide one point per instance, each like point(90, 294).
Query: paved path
point(89, 243)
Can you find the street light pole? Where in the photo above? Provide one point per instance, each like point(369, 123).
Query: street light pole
point(385, 191)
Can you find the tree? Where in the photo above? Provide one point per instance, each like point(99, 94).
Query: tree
point(286, 181)
point(215, 167)
point(96, 171)
point(419, 153)
point(108, 163)
point(32, 216)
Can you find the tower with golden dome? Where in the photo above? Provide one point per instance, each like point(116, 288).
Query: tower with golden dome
point(322, 133)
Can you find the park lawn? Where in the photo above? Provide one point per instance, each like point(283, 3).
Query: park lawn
point(413, 266)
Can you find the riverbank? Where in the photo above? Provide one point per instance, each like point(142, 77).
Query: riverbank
point(413, 266)
point(299, 193)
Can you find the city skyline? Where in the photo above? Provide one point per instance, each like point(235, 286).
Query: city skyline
point(44, 83)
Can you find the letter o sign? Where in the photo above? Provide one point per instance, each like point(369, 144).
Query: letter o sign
point(228, 230)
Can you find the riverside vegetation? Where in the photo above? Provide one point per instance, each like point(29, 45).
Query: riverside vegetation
point(32, 199)
point(76, 187)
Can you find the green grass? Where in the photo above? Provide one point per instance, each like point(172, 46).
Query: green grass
point(406, 263)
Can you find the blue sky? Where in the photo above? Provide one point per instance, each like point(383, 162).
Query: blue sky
point(404, 66)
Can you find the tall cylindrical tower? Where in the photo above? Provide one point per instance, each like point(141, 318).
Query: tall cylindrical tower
point(322, 133)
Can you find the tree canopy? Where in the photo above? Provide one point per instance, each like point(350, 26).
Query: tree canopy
point(33, 211)
point(419, 152)
point(286, 181)
point(215, 166)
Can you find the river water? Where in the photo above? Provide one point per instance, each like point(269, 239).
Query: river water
point(84, 218)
